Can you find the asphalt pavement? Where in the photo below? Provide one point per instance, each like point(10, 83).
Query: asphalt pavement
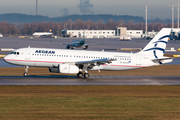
point(93, 80)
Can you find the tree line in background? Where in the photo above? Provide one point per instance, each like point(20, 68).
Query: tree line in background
point(30, 28)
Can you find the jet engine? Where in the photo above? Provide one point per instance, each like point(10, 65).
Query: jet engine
point(68, 47)
point(65, 68)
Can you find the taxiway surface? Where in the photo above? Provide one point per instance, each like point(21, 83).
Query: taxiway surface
point(94, 80)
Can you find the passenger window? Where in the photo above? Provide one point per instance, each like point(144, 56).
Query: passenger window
point(17, 53)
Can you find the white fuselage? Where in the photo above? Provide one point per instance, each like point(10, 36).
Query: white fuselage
point(42, 33)
point(39, 57)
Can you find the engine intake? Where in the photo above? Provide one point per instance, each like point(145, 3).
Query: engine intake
point(68, 47)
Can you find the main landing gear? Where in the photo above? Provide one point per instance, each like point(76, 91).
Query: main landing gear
point(80, 75)
point(26, 70)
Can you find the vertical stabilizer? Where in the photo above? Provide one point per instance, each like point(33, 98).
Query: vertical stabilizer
point(156, 47)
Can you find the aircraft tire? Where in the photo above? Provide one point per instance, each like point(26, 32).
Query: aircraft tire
point(80, 75)
point(25, 74)
point(86, 75)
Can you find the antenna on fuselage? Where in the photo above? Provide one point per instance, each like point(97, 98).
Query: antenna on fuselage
point(29, 47)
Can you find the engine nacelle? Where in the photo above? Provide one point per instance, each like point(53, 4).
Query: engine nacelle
point(54, 70)
point(68, 47)
point(65, 68)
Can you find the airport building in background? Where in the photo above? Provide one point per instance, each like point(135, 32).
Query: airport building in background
point(117, 33)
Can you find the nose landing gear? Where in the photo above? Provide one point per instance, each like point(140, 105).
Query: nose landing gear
point(26, 70)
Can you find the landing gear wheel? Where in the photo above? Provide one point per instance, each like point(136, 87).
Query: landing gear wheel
point(25, 74)
point(86, 75)
point(80, 75)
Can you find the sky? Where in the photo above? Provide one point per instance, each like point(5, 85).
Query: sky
point(56, 8)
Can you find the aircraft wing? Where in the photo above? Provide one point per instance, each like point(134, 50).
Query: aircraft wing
point(98, 61)
point(68, 44)
point(91, 44)
point(93, 62)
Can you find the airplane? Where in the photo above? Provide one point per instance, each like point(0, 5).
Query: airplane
point(38, 34)
point(80, 62)
point(78, 43)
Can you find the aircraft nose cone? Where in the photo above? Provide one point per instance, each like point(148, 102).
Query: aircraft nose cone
point(6, 58)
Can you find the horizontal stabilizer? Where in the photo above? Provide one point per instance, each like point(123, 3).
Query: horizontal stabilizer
point(163, 60)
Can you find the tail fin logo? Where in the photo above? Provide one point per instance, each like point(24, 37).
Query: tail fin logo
point(50, 30)
point(156, 48)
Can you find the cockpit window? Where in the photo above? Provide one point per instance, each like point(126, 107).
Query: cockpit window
point(15, 53)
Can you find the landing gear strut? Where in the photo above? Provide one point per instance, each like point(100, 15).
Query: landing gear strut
point(26, 70)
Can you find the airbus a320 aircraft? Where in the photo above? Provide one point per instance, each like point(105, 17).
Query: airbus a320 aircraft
point(79, 61)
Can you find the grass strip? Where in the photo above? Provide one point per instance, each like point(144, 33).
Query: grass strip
point(90, 102)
